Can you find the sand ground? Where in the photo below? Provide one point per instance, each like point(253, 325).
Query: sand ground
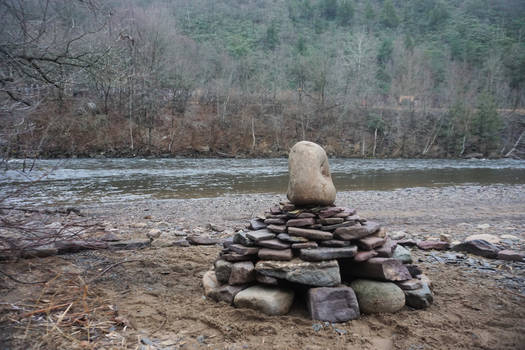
point(152, 298)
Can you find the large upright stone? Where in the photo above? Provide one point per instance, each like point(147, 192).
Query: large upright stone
point(310, 180)
point(319, 274)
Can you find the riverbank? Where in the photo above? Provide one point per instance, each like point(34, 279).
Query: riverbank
point(153, 297)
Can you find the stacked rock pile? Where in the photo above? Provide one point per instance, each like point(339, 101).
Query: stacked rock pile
point(343, 264)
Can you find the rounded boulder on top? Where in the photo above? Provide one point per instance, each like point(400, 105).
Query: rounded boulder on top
point(310, 180)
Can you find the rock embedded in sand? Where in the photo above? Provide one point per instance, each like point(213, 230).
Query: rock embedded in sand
point(485, 237)
point(202, 240)
point(209, 282)
point(511, 255)
point(436, 245)
point(310, 180)
point(320, 274)
point(267, 299)
point(419, 298)
point(337, 304)
point(226, 293)
point(377, 297)
point(478, 247)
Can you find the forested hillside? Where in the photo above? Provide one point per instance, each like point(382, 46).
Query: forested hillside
point(414, 78)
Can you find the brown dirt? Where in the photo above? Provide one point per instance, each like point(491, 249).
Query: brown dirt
point(157, 296)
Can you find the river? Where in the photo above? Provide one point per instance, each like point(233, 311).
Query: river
point(91, 181)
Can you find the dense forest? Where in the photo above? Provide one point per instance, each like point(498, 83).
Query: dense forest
point(363, 78)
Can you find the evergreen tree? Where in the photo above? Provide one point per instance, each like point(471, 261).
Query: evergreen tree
point(486, 124)
point(389, 16)
point(346, 13)
point(329, 8)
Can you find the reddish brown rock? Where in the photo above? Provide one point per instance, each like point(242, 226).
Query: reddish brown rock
point(510, 255)
point(287, 206)
point(275, 221)
point(337, 304)
point(275, 210)
point(274, 244)
point(300, 222)
point(356, 231)
point(364, 256)
point(387, 249)
point(242, 273)
point(478, 247)
point(242, 250)
point(345, 213)
point(304, 245)
point(329, 212)
point(273, 254)
point(336, 226)
point(437, 245)
point(305, 215)
point(277, 228)
point(310, 234)
point(370, 242)
point(291, 239)
point(385, 269)
point(331, 221)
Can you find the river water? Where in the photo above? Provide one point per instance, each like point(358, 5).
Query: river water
point(91, 181)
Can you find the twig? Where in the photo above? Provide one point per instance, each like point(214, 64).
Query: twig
point(41, 311)
point(110, 267)
point(18, 281)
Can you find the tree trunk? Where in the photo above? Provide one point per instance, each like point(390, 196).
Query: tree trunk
point(375, 143)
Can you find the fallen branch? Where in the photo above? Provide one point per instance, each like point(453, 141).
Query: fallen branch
point(44, 311)
point(19, 281)
point(110, 267)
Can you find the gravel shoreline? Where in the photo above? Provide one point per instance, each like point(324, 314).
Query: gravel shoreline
point(419, 211)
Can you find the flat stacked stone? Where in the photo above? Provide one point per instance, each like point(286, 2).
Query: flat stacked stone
point(316, 247)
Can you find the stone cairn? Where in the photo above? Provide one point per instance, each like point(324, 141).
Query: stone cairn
point(339, 263)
